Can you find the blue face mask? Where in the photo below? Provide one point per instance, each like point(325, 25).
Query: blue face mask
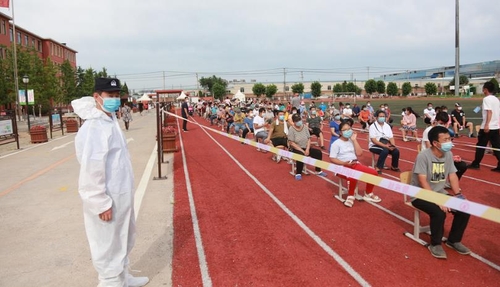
point(110, 105)
point(347, 134)
point(446, 147)
point(337, 118)
point(381, 120)
point(299, 123)
point(281, 118)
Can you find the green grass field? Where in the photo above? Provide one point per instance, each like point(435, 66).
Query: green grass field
point(419, 104)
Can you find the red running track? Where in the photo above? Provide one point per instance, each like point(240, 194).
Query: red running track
point(260, 227)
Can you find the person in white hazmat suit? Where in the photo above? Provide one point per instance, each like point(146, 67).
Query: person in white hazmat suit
point(106, 185)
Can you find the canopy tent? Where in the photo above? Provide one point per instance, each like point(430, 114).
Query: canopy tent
point(240, 96)
point(182, 96)
point(144, 97)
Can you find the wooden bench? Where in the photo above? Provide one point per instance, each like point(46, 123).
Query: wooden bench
point(405, 177)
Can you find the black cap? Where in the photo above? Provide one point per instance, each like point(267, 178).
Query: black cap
point(107, 85)
point(457, 105)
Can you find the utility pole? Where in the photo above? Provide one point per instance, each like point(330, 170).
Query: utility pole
point(164, 80)
point(197, 85)
point(284, 82)
point(301, 77)
point(457, 49)
point(368, 72)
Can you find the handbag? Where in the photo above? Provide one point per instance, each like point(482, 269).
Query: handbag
point(384, 141)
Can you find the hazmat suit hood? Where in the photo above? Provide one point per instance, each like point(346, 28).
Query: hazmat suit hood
point(85, 108)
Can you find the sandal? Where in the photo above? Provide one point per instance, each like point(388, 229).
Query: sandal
point(349, 201)
point(395, 169)
point(372, 197)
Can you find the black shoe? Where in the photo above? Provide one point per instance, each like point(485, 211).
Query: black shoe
point(184, 130)
point(473, 166)
point(472, 136)
point(497, 169)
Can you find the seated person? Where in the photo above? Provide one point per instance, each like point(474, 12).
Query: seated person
point(299, 141)
point(347, 112)
point(335, 129)
point(432, 168)
point(355, 111)
point(238, 121)
point(345, 152)
point(429, 114)
point(277, 135)
point(365, 118)
point(315, 124)
point(382, 143)
point(440, 120)
point(460, 122)
point(409, 123)
point(248, 121)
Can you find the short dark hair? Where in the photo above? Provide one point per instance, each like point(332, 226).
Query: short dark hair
point(262, 110)
point(380, 112)
point(435, 132)
point(490, 87)
point(296, 118)
point(343, 123)
point(442, 117)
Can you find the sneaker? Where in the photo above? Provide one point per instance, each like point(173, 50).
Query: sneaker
point(473, 166)
point(298, 177)
point(497, 169)
point(472, 136)
point(137, 281)
point(437, 251)
point(278, 158)
point(274, 158)
point(406, 140)
point(459, 247)
point(321, 173)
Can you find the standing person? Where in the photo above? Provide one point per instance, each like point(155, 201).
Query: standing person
point(126, 115)
point(432, 169)
point(185, 113)
point(106, 185)
point(489, 131)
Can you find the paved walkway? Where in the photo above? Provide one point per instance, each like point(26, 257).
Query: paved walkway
point(42, 234)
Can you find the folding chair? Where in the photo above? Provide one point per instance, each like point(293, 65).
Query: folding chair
point(405, 177)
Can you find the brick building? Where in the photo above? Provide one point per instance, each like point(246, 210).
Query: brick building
point(47, 48)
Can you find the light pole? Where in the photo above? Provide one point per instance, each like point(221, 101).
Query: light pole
point(26, 80)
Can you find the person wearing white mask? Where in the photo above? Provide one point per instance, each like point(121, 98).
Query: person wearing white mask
point(106, 185)
point(460, 122)
point(433, 168)
point(382, 142)
point(345, 152)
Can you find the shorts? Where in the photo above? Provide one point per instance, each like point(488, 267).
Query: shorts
point(261, 135)
point(408, 128)
point(316, 131)
point(427, 121)
point(279, 141)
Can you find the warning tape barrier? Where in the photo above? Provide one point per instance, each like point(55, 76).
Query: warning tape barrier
point(466, 206)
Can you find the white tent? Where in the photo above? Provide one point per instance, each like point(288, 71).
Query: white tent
point(240, 96)
point(144, 97)
point(182, 96)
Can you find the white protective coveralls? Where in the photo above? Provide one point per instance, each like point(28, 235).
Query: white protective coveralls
point(106, 180)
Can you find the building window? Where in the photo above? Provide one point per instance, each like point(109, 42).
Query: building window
point(26, 40)
point(18, 37)
point(11, 35)
point(33, 43)
point(242, 89)
point(329, 88)
point(2, 28)
point(39, 46)
point(287, 89)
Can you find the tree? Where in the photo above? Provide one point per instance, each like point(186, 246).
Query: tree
point(316, 89)
point(495, 83)
point(271, 90)
point(392, 89)
point(462, 80)
point(208, 83)
point(124, 90)
point(351, 87)
point(298, 88)
point(337, 88)
point(258, 89)
point(431, 88)
point(219, 90)
point(380, 87)
point(370, 86)
point(406, 89)
point(68, 82)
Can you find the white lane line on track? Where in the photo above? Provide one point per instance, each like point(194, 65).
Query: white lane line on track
point(297, 220)
point(32, 147)
point(202, 260)
point(143, 184)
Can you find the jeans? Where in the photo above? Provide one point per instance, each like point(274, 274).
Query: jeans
point(184, 122)
point(482, 140)
point(383, 153)
point(437, 219)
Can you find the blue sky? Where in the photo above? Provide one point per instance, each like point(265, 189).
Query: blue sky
point(140, 41)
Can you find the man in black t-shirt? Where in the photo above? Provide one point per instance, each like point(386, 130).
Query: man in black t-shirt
point(184, 113)
point(459, 121)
